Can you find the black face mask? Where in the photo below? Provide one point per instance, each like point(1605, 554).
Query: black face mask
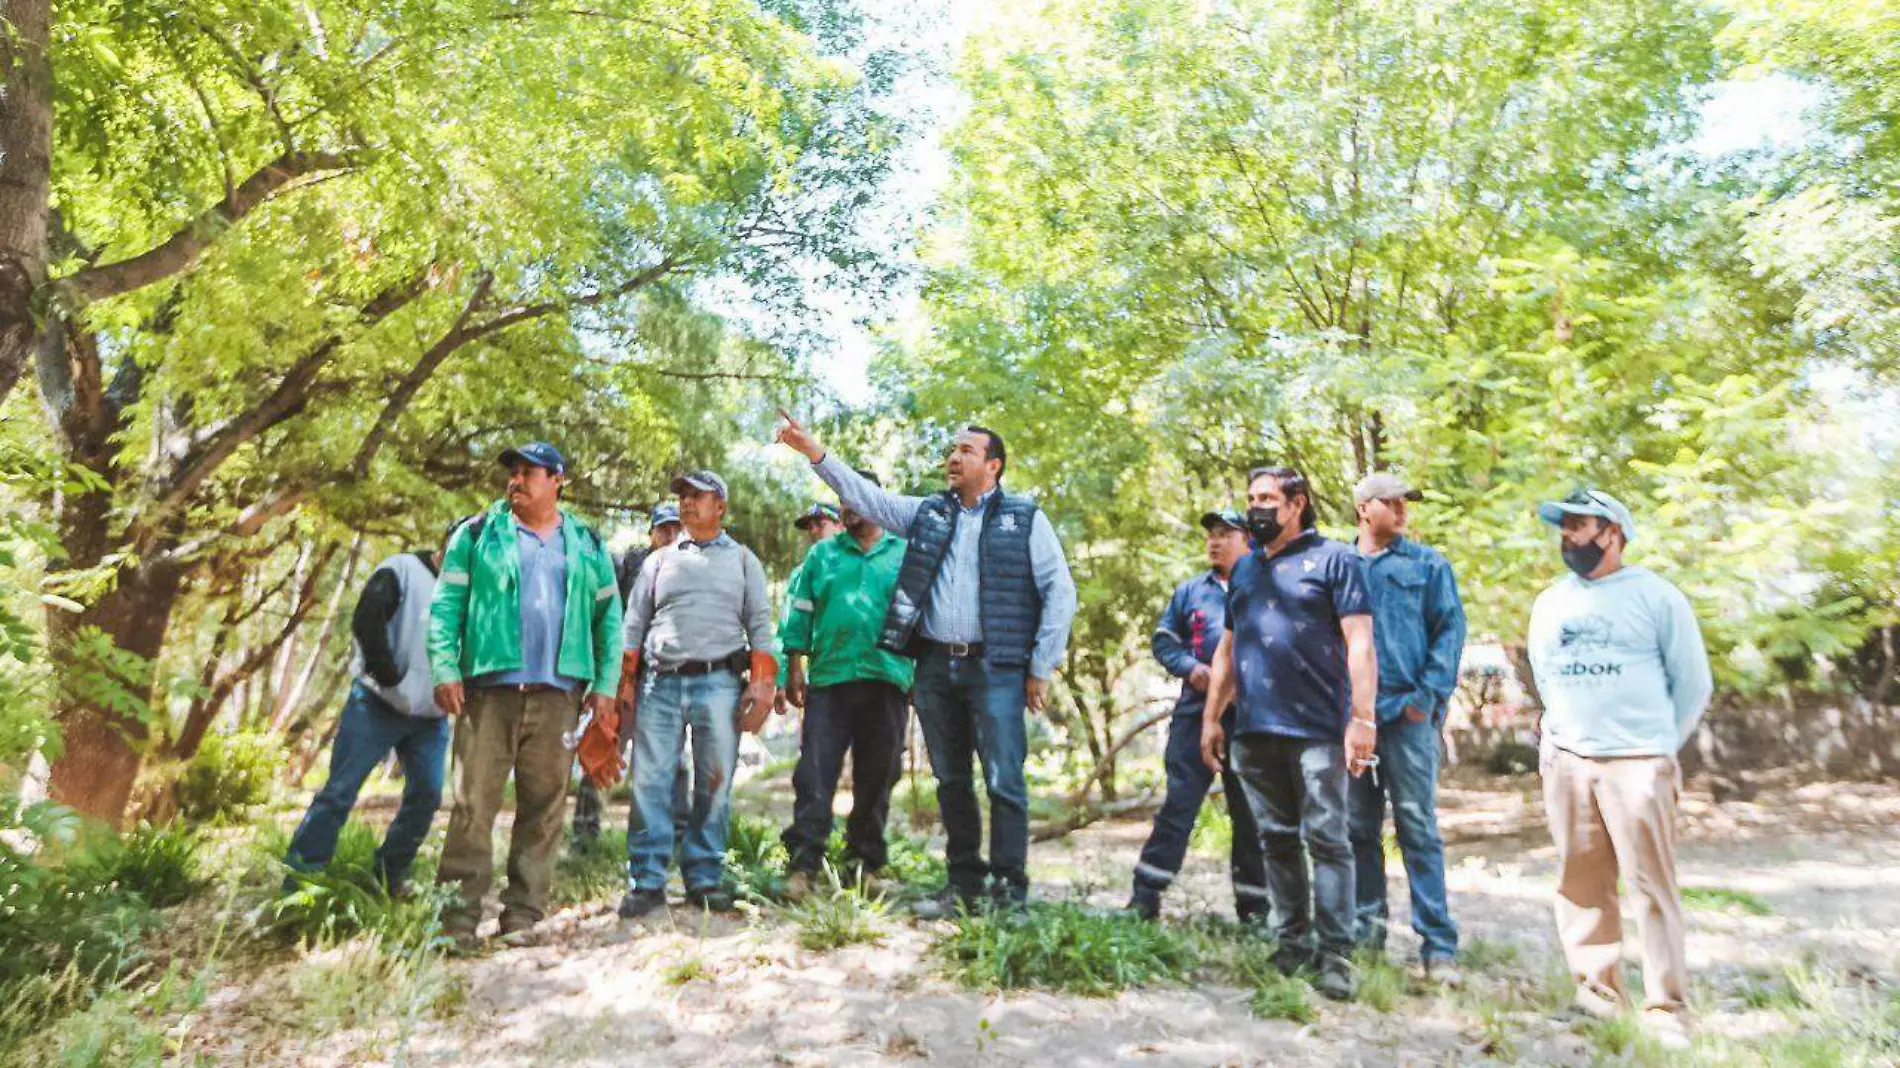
point(1264, 524)
point(1584, 558)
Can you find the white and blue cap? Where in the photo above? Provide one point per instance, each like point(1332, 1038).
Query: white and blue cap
point(701, 481)
point(1586, 501)
point(662, 514)
point(538, 453)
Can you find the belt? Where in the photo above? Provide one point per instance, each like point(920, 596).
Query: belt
point(954, 650)
point(523, 687)
point(694, 668)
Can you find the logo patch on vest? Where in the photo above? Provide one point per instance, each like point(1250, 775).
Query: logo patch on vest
point(1007, 522)
point(1308, 565)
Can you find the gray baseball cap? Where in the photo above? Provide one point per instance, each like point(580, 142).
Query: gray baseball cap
point(1384, 486)
point(702, 481)
point(662, 514)
point(1586, 501)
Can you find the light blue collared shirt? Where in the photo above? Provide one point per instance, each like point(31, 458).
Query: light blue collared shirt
point(954, 612)
point(543, 586)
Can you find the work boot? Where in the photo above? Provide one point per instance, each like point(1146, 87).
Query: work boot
point(640, 903)
point(1144, 904)
point(1292, 958)
point(713, 898)
point(948, 904)
point(1334, 980)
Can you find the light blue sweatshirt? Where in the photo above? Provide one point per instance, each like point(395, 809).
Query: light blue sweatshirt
point(1620, 665)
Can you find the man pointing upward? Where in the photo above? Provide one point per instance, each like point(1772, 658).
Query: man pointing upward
point(983, 603)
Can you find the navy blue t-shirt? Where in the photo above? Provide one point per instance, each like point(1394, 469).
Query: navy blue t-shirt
point(1289, 653)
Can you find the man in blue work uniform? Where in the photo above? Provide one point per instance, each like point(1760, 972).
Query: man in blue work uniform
point(1191, 628)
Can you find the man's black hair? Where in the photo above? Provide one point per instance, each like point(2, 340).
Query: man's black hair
point(996, 450)
point(1292, 484)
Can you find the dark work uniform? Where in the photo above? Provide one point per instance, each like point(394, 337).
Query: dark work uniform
point(1189, 632)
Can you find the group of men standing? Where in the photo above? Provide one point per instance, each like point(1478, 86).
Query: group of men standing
point(1315, 680)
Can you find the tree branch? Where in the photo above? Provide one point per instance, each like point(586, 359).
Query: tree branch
point(180, 251)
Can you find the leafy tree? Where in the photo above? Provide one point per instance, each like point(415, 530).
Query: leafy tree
point(326, 258)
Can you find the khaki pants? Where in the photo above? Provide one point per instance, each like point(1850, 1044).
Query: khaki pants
point(1610, 817)
point(503, 731)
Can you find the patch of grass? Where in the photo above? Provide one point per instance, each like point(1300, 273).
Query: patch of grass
point(1723, 899)
point(369, 980)
point(1277, 997)
point(1064, 948)
point(125, 1027)
point(686, 970)
point(592, 871)
point(1494, 1035)
point(755, 858)
point(158, 864)
point(1620, 1039)
point(842, 917)
point(1380, 982)
point(1486, 955)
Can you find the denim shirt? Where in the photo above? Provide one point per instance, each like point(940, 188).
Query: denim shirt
point(1190, 630)
point(543, 602)
point(1418, 625)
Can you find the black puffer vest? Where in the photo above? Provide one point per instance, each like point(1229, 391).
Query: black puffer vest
point(1010, 604)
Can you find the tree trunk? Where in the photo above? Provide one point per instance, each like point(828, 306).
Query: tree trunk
point(26, 176)
point(103, 746)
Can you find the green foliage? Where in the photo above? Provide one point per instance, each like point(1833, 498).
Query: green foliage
point(158, 864)
point(838, 915)
point(231, 774)
point(1278, 997)
point(344, 900)
point(595, 871)
point(1064, 948)
point(1381, 984)
point(755, 858)
point(71, 925)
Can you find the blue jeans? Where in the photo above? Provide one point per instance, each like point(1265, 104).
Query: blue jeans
point(969, 708)
point(1188, 783)
point(367, 732)
point(669, 705)
point(1407, 775)
point(1297, 790)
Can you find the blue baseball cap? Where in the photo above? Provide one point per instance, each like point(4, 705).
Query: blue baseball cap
point(816, 514)
point(1586, 501)
point(538, 453)
point(703, 481)
point(662, 514)
point(1224, 517)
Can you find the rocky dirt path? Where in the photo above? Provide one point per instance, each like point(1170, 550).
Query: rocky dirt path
point(1808, 878)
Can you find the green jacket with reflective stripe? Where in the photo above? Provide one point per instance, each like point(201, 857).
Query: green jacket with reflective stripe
point(475, 619)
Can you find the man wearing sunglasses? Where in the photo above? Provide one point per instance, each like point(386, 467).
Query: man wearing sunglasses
point(1624, 679)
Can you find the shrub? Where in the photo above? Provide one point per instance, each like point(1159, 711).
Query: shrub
point(230, 774)
point(1063, 948)
point(158, 864)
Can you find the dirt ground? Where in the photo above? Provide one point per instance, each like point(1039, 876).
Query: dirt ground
point(1823, 859)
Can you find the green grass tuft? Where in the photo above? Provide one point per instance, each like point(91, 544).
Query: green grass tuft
point(1277, 997)
point(1064, 948)
point(1723, 899)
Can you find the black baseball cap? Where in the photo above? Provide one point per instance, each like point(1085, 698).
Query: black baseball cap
point(538, 453)
point(1225, 517)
